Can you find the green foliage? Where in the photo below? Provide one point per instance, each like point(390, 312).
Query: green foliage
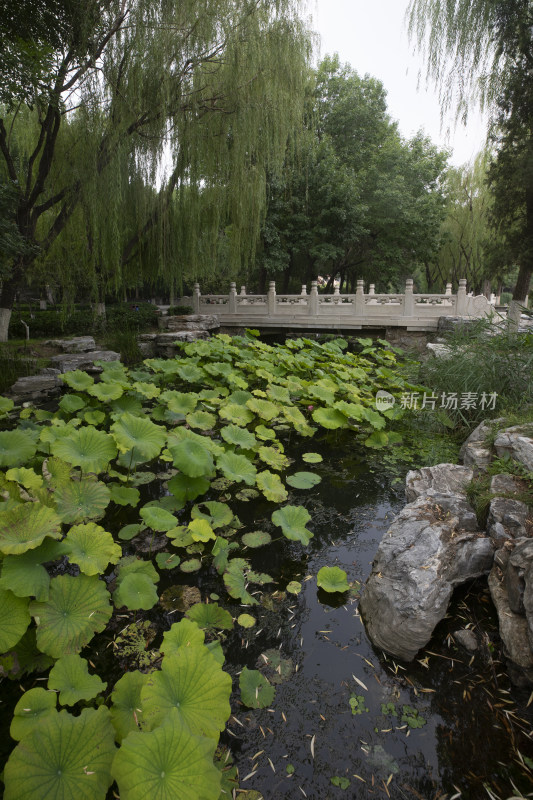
point(357, 704)
point(70, 677)
point(332, 579)
point(256, 691)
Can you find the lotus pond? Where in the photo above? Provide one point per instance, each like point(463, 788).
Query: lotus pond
point(182, 551)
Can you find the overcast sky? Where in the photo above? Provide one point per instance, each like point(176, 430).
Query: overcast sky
point(371, 35)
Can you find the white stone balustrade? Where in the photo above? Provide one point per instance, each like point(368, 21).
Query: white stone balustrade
point(339, 311)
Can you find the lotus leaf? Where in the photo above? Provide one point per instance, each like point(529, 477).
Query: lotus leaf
point(26, 477)
point(180, 536)
point(294, 415)
point(340, 781)
point(292, 521)
point(126, 405)
point(221, 551)
point(87, 448)
point(139, 435)
point(256, 691)
point(271, 486)
point(201, 530)
point(81, 500)
point(264, 433)
point(193, 682)
point(130, 565)
point(219, 514)
point(25, 526)
point(126, 710)
point(202, 420)
point(218, 368)
point(350, 410)
point(6, 405)
point(245, 495)
point(294, 587)
point(136, 591)
point(105, 391)
point(66, 756)
point(180, 402)
point(182, 634)
point(16, 448)
point(157, 518)
point(239, 397)
point(237, 468)
point(377, 440)
point(167, 560)
point(193, 565)
point(332, 579)
point(94, 417)
point(56, 472)
point(77, 380)
point(148, 390)
point(312, 458)
point(129, 531)
point(326, 396)
point(92, 548)
point(24, 574)
point(303, 480)
point(191, 373)
point(278, 669)
point(70, 403)
point(256, 539)
point(240, 437)
point(33, 706)
point(263, 408)
point(193, 459)
point(273, 457)
point(279, 394)
point(142, 478)
point(76, 609)
point(235, 581)
point(123, 495)
point(329, 418)
point(210, 616)
point(70, 677)
point(246, 621)
point(14, 619)
point(27, 657)
point(168, 763)
point(238, 414)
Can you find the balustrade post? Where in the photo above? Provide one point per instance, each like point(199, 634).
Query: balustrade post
point(372, 288)
point(243, 290)
point(313, 300)
point(448, 289)
point(359, 302)
point(271, 298)
point(460, 308)
point(233, 298)
point(409, 300)
point(196, 298)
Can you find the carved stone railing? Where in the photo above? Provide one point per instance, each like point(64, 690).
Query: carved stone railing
point(314, 310)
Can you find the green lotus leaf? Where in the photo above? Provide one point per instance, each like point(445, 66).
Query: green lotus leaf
point(148, 390)
point(167, 560)
point(129, 531)
point(201, 530)
point(105, 391)
point(332, 579)
point(221, 552)
point(130, 565)
point(6, 405)
point(294, 415)
point(92, 548)
point(256, 691)
point(218, 514)
point(237, 468)
point(65, 757)
point(76, 609)
point(350, 410)
point(180, 536)
point(186, 488)
point(124, 495)
point(192, 565)
point(240, 437)
point(238, 414)
point(294, 587)
point(26, 477)
point(264, 433)
point(27, 658)
point(303, 480)
point(236, 581)
point(180, 402)
point(126, 710)
point(193, 682)
point(278, 393)
point(329, 418)
point(14, 619)
point(192, 458)
point(139, 435)
point(202, 420)
point(56, 472)
point(70, 677)
point(182, 434)
point(273, 457)
point(182, 634)
point(136, 591)
point(322, 394)
point(312, 458)
point(167, 763)
point(210, 616)
point(239, 397)
point(24, 574)
point(376, 420)
point(24, 527)
point(292, 521)
point(271, 486)
point(218, 368)
point(33, 706)
point(142, 478)
point(377, 440)
point(191, 373)
point(126, 405)
point(246, 621)
point(16, 448)
point(94, 417)
point(246, 495)
point(77, 380)
point(256, 539)
point(157, 518)
point(70, 403)
point(88, 448)
point(263, 408)
point(81, 500)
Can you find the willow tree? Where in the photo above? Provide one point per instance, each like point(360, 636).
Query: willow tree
point(196, 97)
point(481, 51)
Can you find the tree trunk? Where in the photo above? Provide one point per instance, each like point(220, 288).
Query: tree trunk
point(7, 298)
point(521, 290)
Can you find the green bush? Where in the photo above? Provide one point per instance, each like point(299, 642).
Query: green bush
point(178, 311)
point(82, 320)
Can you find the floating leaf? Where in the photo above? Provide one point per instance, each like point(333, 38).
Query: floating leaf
point(264, 433)
point(167, 560)
point(24, 574)
point(279, 394)
point(33, 706)
point(375, 419)
point(294, 587)
point(271, 486)
point(312, 458)
point(136, 591)
point(192, 458)
point(26, 477)
point(139, 435)
point(263, 408)
point(6, 405)
point(124, 495)
point(210, 616)
point(329, 418)
point(148, 390)
point(191, 373)
point(86, 447)
point(77, 380)
point(357, 704)
point(350, 410)
point(332, 579)
point(14, 619)
point(180, 402)
point(70, 403)
point(16, 448)
point(130, 565)
point(70, 677)
point(412, 717)
point(105, 391)
point(292, 521)
point(94, 417)
point(256, 539)
point(303, 480)
point(256, 691)
point(92, 548)
point(182, 634)
point(235, 580)
point(167, 763)
point(218, 514)
point(238, 414)
point(201, 530)
point(186, 488)
point(129, 531)
point(193, 565)
point(126, 709)
point(25, 526)
point(246, 620)
point(201, 420)
point(142, 478)
point(239, 437)
point(69, 756)
point(157, 518)
point(341, 782)
point(273, 457)
point(377, 440)
point(81, 500)
point(237, 468)
point(277, 669)
point(76, 609)
point(239, 397)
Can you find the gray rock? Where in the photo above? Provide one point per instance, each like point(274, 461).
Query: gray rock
point(514, 629)
point(35, 388)
point(78, 344)
point(441, 479)
point(50, 371)
point(474, 451)
point(506, 520)
point(428, 550)
point(446, 324)
point(439, 350)
point(516, 442)
point(467, 639)
point(190, 322)
point(166, 343)
point(504, 484)
point(84, 361)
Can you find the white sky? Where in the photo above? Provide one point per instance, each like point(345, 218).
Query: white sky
point(371, 35)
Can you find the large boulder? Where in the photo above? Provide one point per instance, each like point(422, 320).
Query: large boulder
point(78, 344)
point(516, 442)
point(432, 546)
point(475, 452)
point(36, 388)
point(84, 361)
point(190, 322)
point(440, 479)
point(167, 344)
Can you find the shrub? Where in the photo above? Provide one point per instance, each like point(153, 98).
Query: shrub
point(178, 311)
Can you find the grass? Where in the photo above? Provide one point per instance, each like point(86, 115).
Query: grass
point(18, 359)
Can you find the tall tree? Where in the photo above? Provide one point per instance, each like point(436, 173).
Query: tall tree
point(209, 89)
